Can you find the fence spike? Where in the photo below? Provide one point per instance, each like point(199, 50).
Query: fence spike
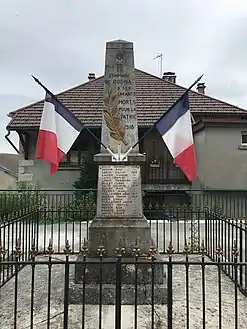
point(120, 251)
point(235, 251)
point(33, 251)
point(84, 247)
point(203, 249)
point(2, 252)
point(50, 248)
point(101, 250)
point(157, 206)
point(164, 206)
point(170, 249)
point(152, 251)
point(18, 249)
point(186, 248)
point(67, 249)
point(136, 251)
point(218, 252)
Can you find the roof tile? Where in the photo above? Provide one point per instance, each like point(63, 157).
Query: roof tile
point(153, 97)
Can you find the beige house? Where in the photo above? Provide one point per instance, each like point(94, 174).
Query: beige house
point(220, 134)
point(8, 170)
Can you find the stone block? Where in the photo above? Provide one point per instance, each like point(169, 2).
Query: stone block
point(144, 293)
point(132, 273)
point(26, 163)
point(111, 233)
point(26, 177)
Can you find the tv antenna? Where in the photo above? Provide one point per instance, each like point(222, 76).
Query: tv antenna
point(160, 57)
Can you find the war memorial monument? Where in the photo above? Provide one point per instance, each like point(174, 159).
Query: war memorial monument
point(120, 231)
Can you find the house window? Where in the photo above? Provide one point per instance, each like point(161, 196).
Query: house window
point(244, 138)
point(74, 158)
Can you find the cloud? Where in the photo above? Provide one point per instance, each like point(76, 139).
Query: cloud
point(62, 41)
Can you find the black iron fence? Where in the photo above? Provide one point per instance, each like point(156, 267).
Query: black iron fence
point(181, 219)
point(226, 235)
point(18, 233)
point(197, 293)
point(66, 216)
point(82, 203)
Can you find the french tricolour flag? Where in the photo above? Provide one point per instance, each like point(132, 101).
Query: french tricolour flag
point(176, 130)
point(58, 131)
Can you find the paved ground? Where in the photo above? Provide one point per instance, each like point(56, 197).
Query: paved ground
point(162, 232)
point(144, 312)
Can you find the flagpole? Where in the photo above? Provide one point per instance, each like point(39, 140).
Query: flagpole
point(90, 132)
point(151, 128)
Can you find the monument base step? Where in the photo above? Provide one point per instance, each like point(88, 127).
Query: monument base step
point(92, 292)
point(111, 233)
point(96, 271)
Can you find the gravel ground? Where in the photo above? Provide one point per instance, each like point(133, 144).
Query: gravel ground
point(144, 312)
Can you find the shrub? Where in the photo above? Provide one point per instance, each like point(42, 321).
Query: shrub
point(26, 198)
point(83, 208)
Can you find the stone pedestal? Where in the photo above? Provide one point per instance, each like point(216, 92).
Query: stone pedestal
point(140, 283)
point(114, 232)
point(119, 219)
point(129, 296)
point(105, 271)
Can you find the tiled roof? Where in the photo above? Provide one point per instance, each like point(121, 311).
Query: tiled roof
point(153, 95)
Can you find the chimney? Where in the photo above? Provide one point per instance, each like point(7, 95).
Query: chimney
point(201, 87)
point(91, 76)
point(169, 76)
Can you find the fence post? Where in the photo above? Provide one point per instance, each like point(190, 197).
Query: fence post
point(169, 287)
point(17, 268)
point(235, 254)
point(119, 252)
point(241, 253)
point(206, 216)
point(37, 229)
point(67, 251)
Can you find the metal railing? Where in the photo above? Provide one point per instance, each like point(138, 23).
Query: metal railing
point(226, 235)
point(178, 225)
point(18, 233)
point(179, 222)
point(199, 283)
point(231, 203)
point(161, 172)
point(214, 230)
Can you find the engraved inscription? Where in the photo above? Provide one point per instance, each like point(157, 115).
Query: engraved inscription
point(120, 100)
point(112, 115)
point(120, 196)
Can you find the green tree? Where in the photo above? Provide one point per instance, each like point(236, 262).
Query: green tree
point(88, 177)
point(84, 205)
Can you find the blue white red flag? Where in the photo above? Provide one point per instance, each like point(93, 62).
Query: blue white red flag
point(176, 130)
point(59, 129)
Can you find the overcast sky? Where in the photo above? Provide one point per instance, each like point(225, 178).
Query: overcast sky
point(61, 41)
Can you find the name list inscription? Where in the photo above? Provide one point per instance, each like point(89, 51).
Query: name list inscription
point(120, 191)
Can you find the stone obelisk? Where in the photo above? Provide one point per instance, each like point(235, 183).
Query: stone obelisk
point(119, 216)
point(119, 221)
